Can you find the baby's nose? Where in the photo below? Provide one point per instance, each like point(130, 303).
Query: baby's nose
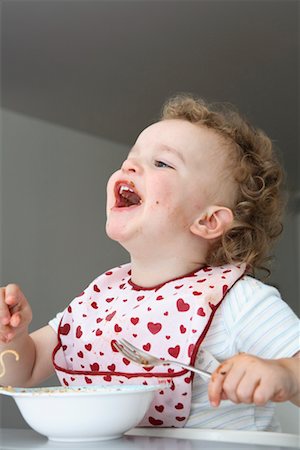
point(131, 165)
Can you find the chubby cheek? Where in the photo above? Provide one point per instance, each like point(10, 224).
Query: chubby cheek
point(160, 194)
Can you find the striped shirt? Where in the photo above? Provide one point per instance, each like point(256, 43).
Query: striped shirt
point(252, 319)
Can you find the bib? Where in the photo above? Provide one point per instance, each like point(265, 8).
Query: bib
point(170, 321)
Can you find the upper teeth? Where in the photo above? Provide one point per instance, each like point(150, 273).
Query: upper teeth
point(125, 188)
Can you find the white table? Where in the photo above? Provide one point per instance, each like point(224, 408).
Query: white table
point(157, 439)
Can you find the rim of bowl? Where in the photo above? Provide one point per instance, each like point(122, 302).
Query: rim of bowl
point(59, 391)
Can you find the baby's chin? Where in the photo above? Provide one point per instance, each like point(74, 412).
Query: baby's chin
point(116, 231)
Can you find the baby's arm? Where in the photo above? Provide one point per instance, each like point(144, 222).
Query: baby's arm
point(35, 350)
point(248, 379)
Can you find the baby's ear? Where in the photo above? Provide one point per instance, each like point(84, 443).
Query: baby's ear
point(213, 223)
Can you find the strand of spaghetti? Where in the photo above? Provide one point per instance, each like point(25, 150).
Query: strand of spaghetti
point(13, 352)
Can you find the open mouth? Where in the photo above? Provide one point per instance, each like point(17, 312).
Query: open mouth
point(126, 195)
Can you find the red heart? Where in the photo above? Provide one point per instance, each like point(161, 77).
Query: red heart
point(65, 382)
point(201, 281)
point(180, 419)
point(174, 351)
point(154, 328)
point(182, 329)
point(190, 350)
point(108, 273)
point(110, 316)
point(182, 306)
point(149, 309)
point(197, 293)
point(170, 370)
point(155, 421)
point(134, 334)
point(65, 329)
point(134, 320)
point(108, 300)
point(168, 337)
point(159, 408)
point(159, 297)
point(101, 353)
point(98, 332)
point(99, 320)
point(122, 285)
point(80, 354)
point(94, 367)
point(72, 379)
point(69, 308)
point(64, 347)
point(113, 347)
point(166, 313)
point(140, 297)
point(107, 378)
point(117, 328)
point(94, 305)
point(187, 380)
point(147, 347)
point(126, 361)
point(78, 332)
point(148, 369)
point(207, 269)
point(225, 289)
point(201, 312)
point(145, 383)
point(96, 289)
point(178, 287)
point(88, 380)
point(179, 406)
point(88, 347)
point(227, 271)
point(112, 367)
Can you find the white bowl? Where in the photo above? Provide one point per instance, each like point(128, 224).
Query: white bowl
point(83, 413)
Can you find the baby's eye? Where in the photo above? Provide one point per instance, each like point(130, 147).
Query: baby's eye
point(162, 164)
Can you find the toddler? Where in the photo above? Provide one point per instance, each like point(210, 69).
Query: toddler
point(197, 204)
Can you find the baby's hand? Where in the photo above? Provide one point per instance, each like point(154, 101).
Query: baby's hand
point(248, 379)
point(15, 312)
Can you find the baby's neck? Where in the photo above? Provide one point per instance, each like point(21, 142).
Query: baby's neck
point(149, 274)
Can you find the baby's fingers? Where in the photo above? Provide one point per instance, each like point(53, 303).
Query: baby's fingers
point(13, 295)
point(4, 309)
point(15, 320)
point(215, 386)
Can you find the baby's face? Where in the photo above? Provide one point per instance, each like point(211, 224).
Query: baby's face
point(172, 174)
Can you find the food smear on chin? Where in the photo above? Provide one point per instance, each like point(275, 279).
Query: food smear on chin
point(126, 196)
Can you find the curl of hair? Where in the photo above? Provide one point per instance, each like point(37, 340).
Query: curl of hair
point(258, 175)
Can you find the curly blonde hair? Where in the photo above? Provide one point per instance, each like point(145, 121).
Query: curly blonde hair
point(258, 176)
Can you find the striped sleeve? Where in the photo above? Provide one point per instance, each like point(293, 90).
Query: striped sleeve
point(259, 322)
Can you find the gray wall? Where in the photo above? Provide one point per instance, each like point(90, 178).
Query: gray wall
point(53, 199)
point(53, 215)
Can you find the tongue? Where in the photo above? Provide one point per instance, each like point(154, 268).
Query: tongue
point(128, 199)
